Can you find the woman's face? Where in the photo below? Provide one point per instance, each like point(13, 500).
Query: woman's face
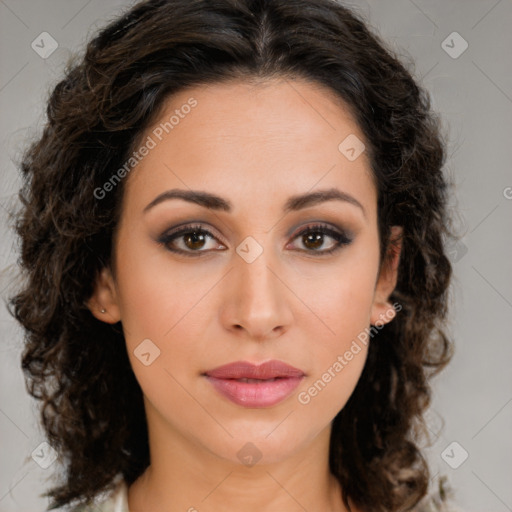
point(251, 285)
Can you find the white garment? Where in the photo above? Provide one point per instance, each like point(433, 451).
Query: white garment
point(116, 501)
point(120, 497)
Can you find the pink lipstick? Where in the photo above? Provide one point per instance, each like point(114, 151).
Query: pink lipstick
point(256, 386)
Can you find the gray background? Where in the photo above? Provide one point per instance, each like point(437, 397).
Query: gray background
point(473, 92)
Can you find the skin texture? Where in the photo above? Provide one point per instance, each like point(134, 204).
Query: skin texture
point(254, 145)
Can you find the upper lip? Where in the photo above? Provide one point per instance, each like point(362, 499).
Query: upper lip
point(245, 370)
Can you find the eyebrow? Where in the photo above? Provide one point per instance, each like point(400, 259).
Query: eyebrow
point(293, 203)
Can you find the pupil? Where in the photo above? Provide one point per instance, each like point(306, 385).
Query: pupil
point(315, 239)
point(195, 237)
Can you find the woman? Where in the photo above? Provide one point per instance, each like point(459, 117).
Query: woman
point(233, 234)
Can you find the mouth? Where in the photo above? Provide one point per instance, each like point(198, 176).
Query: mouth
point(255, 386)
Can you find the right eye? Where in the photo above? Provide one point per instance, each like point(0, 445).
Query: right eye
point(192, 237)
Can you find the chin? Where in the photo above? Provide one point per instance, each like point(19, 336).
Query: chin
point(257, 447)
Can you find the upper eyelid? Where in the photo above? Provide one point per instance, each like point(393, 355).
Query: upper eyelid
point(189, 227)
point(205, 226)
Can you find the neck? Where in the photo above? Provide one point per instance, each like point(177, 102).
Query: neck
point(186, 477)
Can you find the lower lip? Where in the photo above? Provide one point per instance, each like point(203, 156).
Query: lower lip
point(256, 394)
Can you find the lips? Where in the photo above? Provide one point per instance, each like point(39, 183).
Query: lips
point(244, 370)
point(252, 385)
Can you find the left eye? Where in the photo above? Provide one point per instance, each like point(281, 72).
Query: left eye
point(194, 238)
point(313, 238)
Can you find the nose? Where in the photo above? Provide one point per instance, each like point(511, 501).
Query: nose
point(257, 299)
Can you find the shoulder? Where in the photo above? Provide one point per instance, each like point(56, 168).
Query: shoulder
point(114, 501)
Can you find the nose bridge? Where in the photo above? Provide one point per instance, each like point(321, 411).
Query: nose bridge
point(256, 266)
point(259, 301)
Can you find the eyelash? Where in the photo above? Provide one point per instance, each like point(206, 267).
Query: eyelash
point(341, 238)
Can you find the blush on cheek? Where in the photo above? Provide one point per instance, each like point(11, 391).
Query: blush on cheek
point(344, 312)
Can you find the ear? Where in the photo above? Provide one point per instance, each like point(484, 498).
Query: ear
point(383, 311)
point(103, 302)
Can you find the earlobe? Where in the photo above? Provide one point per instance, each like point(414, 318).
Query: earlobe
point(382, 310)
point(103, 302)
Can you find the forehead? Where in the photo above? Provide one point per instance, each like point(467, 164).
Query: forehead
point(271, 137)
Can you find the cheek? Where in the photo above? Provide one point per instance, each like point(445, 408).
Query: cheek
point(338, 348)
point(340, 297)
point(339, 353)
point(156, 293)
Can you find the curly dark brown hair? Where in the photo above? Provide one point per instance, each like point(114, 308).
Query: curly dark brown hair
point(77, 366)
